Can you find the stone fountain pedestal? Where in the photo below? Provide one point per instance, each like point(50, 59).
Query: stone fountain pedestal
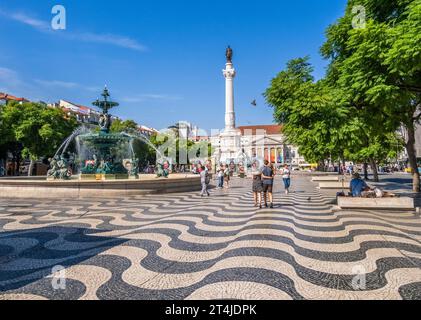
point(106, 177)
point(70, 189)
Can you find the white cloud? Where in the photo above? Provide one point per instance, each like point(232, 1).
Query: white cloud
point(43, 26)
point(33, 22)
point(116, 40)
point(94, 89)
point(57, 83)
point(11, 82)
point(68, 85)
point(9, 76)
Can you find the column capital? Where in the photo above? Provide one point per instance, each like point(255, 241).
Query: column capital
point(229, 72)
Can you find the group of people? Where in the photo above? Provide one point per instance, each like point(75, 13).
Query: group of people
point(263, 181)
point(262, 186)
point(223, 176)
point(350, 169)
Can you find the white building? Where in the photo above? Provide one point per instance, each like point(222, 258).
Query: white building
point(84, 115)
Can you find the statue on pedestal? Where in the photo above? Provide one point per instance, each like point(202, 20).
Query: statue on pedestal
point(59, 169)
point(53, 172)
point(229, 53)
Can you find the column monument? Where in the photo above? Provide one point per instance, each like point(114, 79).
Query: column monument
point(230, 138)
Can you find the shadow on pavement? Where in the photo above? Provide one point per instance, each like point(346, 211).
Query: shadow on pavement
point(30, 255)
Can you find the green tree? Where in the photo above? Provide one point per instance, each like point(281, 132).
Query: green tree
point(143, 152)
point(184, 150)
point(123, 126)
point(322, 121)
point(313, 115)
point(39, 129)
point(379, 66)
point(373, 144)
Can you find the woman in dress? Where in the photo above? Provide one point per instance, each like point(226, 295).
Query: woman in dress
point(257, 184)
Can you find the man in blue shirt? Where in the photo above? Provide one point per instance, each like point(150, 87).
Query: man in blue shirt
point(268, 175)
point(358, 186)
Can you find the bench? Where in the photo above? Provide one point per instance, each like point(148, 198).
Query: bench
point(325, 179)
point(334, 185)
point(396, 203)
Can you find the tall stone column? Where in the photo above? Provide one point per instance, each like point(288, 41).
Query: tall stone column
point(231, 137)
point(229, 74)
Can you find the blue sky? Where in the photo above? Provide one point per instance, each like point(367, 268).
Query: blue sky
point(162, 60)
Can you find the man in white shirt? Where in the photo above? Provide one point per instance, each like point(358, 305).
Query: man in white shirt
point(221, 177)
point(286, 177)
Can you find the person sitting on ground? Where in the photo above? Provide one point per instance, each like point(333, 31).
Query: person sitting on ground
point(358, 186)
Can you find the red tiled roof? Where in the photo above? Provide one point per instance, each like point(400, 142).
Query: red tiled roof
point(201, 138)
point(270, 129)
point(8, 97)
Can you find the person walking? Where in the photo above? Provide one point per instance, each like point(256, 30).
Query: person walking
point(221, 177)
point(205, 181)
point(286, 177)
point(257, 185)
point(268, 176)
point(227, 177)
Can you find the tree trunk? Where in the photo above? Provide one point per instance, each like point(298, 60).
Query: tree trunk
point(3, 167)
point(31, 167)
point(17, 167)
point(365, 171)
point(343, 170)
point(375, 171)
point(412, 157)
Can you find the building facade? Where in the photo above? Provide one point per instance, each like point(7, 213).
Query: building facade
point(263, 142)
point(83, 115)
point(267, 142)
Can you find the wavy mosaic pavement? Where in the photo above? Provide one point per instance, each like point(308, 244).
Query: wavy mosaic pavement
point(182, 246)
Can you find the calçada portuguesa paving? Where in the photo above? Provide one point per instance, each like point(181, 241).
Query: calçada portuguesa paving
point(182, 246)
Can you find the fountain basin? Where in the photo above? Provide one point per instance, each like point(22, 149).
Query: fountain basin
point(104, 177)
point(147, 184)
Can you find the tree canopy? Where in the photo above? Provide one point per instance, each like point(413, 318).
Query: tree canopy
point(354, 112)
point(123, 126)
point(379, 65)
point(37, 128)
